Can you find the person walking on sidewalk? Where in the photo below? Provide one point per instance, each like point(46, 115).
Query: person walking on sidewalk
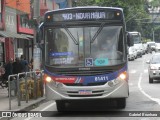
point(8, 71)
point(2, 72)
point(17, 66)
point(8, 68)
point(30, 65)
point(24, 64)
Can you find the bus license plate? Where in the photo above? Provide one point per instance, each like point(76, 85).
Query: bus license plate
point(85, 92)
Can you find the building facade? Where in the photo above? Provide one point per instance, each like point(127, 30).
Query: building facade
point(10, 35)
point(17, 26)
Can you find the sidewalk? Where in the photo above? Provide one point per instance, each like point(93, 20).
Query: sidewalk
point(4, 102)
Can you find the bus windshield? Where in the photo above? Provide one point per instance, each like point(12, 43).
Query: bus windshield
point(73, 46)
point(136, 39)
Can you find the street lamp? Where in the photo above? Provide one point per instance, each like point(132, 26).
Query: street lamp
point(151, 10)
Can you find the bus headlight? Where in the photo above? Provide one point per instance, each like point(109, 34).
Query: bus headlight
point(122, 76)
point(114, 82)
point(110, 83)
point(56, 84)
point(48, 79)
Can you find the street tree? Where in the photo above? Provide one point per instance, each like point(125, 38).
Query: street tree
point(135, 11)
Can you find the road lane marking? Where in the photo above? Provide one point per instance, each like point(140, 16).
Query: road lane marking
point(50, 105)
point(143, 92)
point(130, 84)
point(132, 71)
point(146, 71)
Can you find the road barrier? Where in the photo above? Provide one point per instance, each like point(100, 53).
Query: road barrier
point(26, 85)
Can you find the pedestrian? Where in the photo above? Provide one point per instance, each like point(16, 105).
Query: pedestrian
point(30, 65)
point(17, 66)
point(8, 71)
point(2, 70)
point(24, 64)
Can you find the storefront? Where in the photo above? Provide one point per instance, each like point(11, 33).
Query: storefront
point(2, 39)
point(9, 36)
point(25, 28)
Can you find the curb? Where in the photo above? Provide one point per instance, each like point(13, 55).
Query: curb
point(32, 105)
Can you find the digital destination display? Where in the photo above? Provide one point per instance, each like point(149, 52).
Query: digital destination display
point(84, 15)
point(81, 16)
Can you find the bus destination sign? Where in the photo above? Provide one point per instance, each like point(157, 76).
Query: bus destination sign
point(81, 16)
point(87, 15)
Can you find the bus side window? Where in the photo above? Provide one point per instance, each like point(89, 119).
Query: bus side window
point(129, 40)
point(120, 42)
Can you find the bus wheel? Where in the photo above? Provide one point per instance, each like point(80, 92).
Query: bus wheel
point(121, 103)
point(60, 105)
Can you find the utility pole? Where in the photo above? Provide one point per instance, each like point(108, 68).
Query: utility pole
point(36, 16)
point(152, 11)
point(69, 3)
point(36, 50)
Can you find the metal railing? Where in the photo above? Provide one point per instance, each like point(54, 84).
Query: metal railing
point(9, 88)
point(22, 79)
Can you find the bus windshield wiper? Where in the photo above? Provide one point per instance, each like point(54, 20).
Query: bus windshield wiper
point(97, 33)
point(70, 34)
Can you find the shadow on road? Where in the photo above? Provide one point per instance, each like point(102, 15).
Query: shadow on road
point(90, 109)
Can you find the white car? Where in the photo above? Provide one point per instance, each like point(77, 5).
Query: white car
point(151, 46)
point(145, 47)
point(154, 67)
point(132, 53)
point(157, 47)
point(139, 49)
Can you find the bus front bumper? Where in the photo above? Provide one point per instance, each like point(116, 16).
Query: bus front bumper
point(63, 92)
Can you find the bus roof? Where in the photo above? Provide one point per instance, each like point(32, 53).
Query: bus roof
point(87, 13)
point(86, 7)
point(134, 32)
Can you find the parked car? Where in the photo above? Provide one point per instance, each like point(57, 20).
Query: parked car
point(132, 53)
point(139, 49)
point(151, 46)
point(154, 67)
point(145, 47)
point(157, 47)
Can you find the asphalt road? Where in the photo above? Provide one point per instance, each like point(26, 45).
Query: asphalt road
point(144, 98)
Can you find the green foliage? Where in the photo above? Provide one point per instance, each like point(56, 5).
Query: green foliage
point(135, 11)
point(155, 3)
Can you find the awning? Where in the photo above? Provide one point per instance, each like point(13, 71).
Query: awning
point(27, 36)
point(12, 35)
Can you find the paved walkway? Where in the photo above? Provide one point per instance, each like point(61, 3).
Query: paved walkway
point(4, 102)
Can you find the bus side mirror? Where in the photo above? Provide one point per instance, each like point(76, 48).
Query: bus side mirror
point(129, 41)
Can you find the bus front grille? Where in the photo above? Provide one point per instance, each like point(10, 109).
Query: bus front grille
point(84, 73)
point(92, 94)
point(85, 95)
point(81, 84)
